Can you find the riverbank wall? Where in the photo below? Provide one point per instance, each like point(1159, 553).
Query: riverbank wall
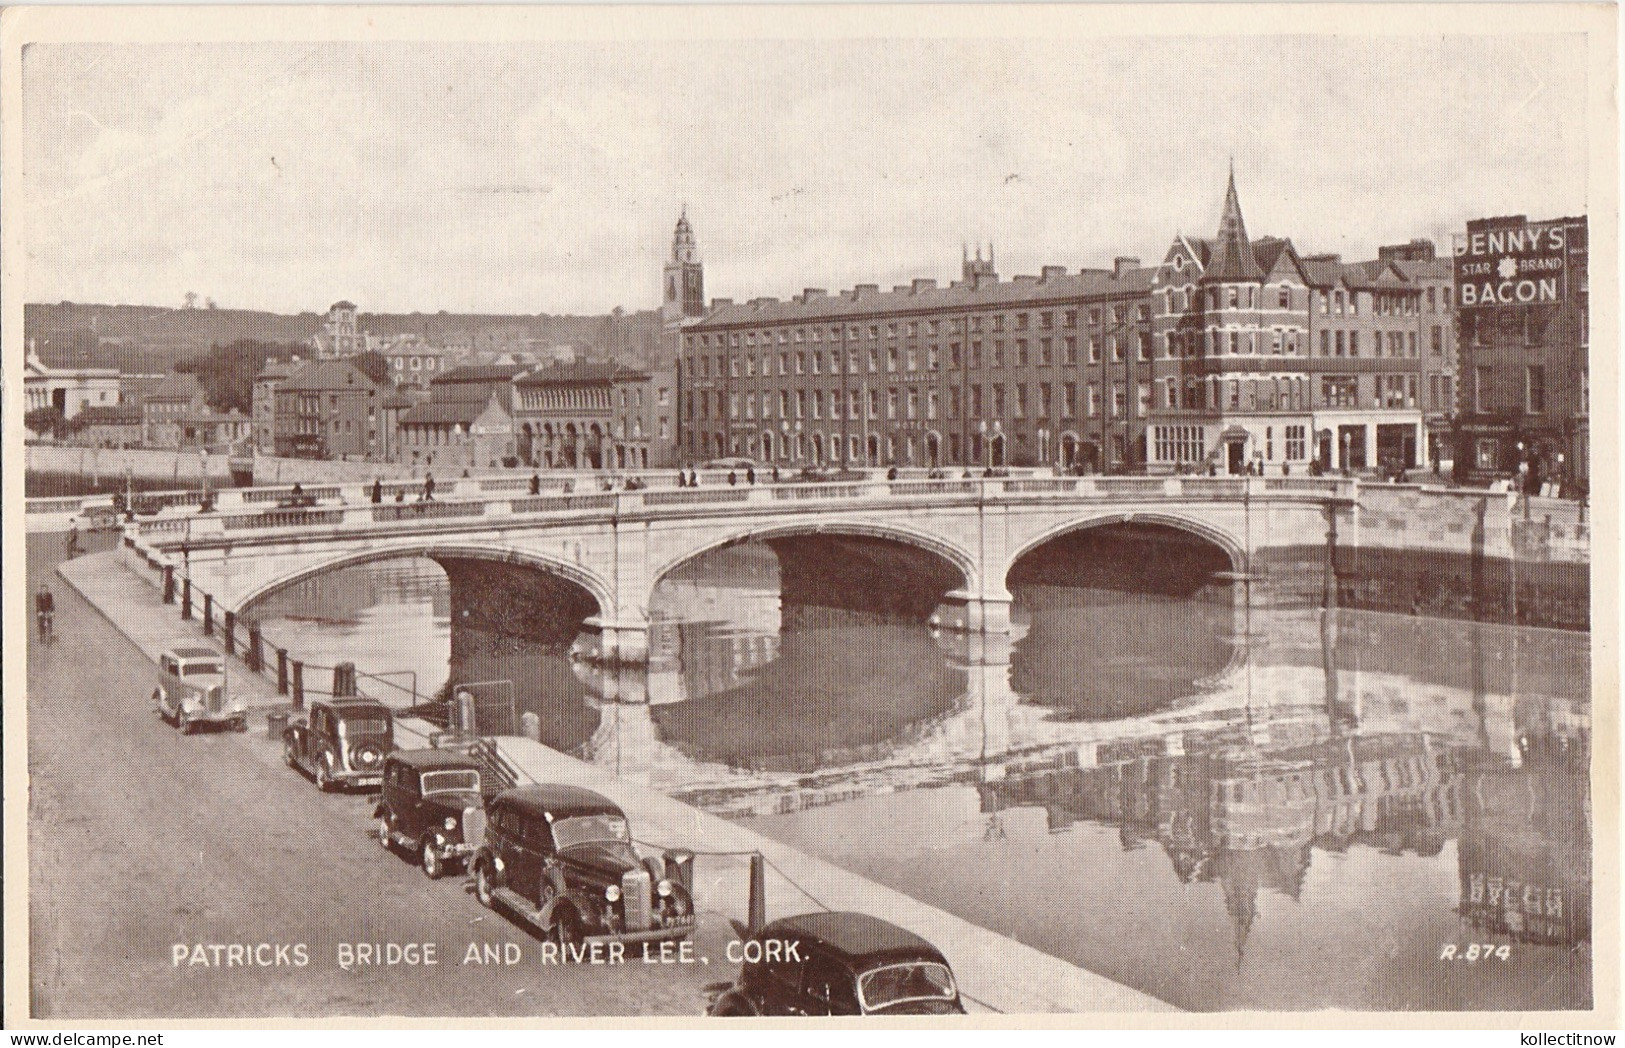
point(1465, 554)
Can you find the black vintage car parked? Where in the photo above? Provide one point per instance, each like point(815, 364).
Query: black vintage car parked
point(561, 858)
point(838, 964)
point(431, 805)
point(341, 743)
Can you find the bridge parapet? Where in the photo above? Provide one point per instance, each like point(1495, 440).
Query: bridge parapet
point(681, 502)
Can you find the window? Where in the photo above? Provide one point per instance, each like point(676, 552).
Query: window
point(1180, 443)
point(998, 353)
point(1296, 443)
point(1145, 345)
point(998, 400)
point(1535, 389)
point(1325, 343)
point(1339, 391)
point(953, 403)
point(1437, 347)
point(1117, 349)
point(1094, 350)
point(1342, 344)
point(1094, 399)
point(1410, 344)
point(1354, 343)
point(1119, 400)
point(891, 359)
point(1143, 405)
point(1481, 387)
point(1285, 299)
point(1021, 351)
point(976, 401)
point(931, 404)
point(1021, 400)
point(817, 362)
point(1046, 394)
point(1069, 401)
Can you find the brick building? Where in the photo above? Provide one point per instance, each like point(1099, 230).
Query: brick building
point(1230, 354)
point(177, 396)
point(263, 403)
point(328, 409)
point(1525, 345)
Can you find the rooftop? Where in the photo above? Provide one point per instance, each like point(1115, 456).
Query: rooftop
point(868, 300)
point(580, 372)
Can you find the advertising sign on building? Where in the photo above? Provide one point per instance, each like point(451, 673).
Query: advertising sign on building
point(1511, 262)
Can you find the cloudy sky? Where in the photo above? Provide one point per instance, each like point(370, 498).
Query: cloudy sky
point(546, 177)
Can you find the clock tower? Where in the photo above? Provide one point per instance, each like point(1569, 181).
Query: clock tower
point(684, 276)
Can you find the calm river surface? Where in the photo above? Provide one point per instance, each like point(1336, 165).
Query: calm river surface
point(1223, 808)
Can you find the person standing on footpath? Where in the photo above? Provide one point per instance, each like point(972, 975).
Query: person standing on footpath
point(428, 487)
point(377, 491)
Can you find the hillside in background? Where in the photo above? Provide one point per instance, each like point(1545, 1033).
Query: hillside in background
point(136, 338)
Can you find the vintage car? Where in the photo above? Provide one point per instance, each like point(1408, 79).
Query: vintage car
point(561, 858)
point(191, 691)
point(431, 804)
point(342, 742)
point(838, 964)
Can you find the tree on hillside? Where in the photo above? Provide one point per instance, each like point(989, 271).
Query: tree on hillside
point(226, 373)
point(373, 365)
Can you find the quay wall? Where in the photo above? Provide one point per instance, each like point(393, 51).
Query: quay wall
point(1451, 554)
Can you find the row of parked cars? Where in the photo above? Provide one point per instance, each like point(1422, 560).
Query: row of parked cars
point(561, 859)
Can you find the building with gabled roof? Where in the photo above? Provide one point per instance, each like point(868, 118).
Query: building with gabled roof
point(1233, 354)
point(457, 434)
point(328, 409)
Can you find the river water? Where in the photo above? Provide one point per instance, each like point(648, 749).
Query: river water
point(1222, 807)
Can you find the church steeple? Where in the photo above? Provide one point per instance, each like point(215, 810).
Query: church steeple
point(1233, 261)
point(684, 275)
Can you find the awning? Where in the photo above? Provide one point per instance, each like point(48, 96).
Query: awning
point(1233, 433)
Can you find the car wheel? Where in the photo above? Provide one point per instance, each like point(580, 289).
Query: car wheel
point(383, 834)
point(324, 774)
point(484, 889)
point(287, 754)
point(434, 867)
point(566, 930)
point(732, 1006)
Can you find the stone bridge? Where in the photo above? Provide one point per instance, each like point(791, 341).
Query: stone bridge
point(947, 544)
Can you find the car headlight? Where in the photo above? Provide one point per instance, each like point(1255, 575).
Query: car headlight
point(450, 823)
point(612, 893)
point(663, 888)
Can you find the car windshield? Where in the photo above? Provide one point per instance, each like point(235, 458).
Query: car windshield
point(354, 726)
point(584, 828)
point(201, 669)
point(896, 983)
point(450, 781)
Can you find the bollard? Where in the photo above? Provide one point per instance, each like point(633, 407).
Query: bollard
point(344, 680)
point(758, 893)
point(275, 722)
point(228, 632)
point(282, 671)
point(530, 726)
point(169, 583)
point(680, 869)
point(186, 598)
point(255, 656)
point(464, 711)
point(298, 684)
point(208, 614)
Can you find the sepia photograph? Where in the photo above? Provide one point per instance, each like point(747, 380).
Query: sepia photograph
point(674, 513)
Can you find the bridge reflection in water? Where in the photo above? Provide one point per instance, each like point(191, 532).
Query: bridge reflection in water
point(1223, 807)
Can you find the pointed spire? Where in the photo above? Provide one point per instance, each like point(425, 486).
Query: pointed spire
point(990, 252)
point(964, 251)
point(1233, 260)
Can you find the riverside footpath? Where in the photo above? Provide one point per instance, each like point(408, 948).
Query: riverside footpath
point(995, 973)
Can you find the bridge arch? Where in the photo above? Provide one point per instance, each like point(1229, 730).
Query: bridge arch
point(960, 559)
point(1232, 547)
point(595, 587)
